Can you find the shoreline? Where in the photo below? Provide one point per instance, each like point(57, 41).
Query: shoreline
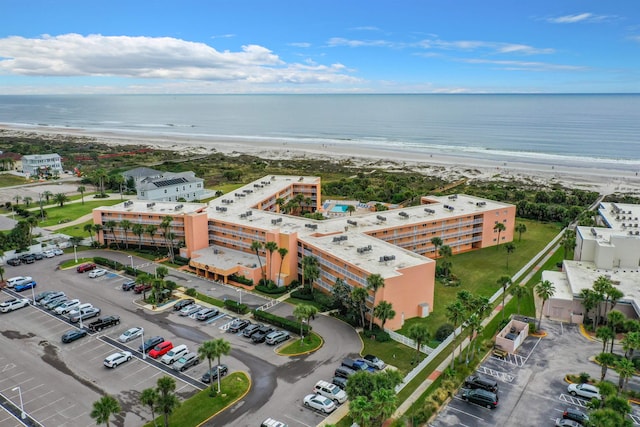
point(599, 176)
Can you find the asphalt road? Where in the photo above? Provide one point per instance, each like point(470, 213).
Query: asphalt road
point(278, 383)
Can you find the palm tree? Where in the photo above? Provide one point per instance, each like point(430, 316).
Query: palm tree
point(138, 230)
point(151, 230)
point(499, 227)
point(605, 359)
point(374, 282)
point(544, 290)
point(17, 198)
point(384, 311)
point(256, 246)
point(510, 248)
point(612, 297)
point(167, 400)
point(588, 301)
point(125, 224)
point(214, 349)
point(27, 200)
point(455, 314)
point(60, 198)
point(111, 225)
point(283, 253)
point(2, 271)
point(436, 242)
point(419, 333)
point(475, 323)
point(520, 228)
point(625, 369)
point(518, 292)
point(361, 410)
point(312, 310)
point(149, 397)
point(104, 408)
point(143, 279)
point(165, 224)
point(301, 312)
point(384, 402)
point(445, 252)
point(310, 271)
point(568, 242)
point(47, 195)
point(504, 282)
point(81, 190)
point(616, 319)
point(630, 343)
point(604, 333)
point(351, 209)
point(89, 229)
point(359, 299)
point(271, 247)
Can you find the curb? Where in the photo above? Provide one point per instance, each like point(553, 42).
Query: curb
point(231, 403)
point(304, 352)
point(584, 333)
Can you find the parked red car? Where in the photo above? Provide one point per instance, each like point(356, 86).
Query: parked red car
point(141, 287)
point(161, 349)
point(86, 267)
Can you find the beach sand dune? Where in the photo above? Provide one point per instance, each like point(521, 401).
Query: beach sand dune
point(605, 176)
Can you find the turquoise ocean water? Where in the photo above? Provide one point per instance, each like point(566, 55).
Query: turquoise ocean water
point(553, 128)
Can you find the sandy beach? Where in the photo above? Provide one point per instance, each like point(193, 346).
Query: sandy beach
point(605, 177)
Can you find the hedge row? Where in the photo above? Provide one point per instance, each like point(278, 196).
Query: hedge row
point(302, 294)
point(181, 260)
point(241, 279)
point(115, 265)
point(235, 306)
point(271, 291)
point(281, 322)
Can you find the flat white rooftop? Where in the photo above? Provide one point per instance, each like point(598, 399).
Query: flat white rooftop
point(145, 206)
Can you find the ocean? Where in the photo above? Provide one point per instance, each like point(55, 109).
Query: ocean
point(603, 129)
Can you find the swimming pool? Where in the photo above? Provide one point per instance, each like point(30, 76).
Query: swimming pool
point(340, 208)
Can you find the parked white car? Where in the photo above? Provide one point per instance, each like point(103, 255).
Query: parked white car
point(586, 391)
point(97, 273)
point(18, 280)
point(116, 359)
point(131, 334)
point(13, 304)
point(319, 403)
point(67, 306)
point(49, 253)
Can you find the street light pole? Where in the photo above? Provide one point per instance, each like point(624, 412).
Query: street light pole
point(144, 353)
point(22, 413)
point(131, 258)
point(75, 254)
point(240, 292)
point(33, 295)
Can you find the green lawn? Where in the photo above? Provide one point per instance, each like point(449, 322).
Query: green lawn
point(311, 342)
point(479, 270)
point(298, 301)
point(391, 352)
point(8, 180)
point(76, 230)
point(199, 408)
point(69, 212)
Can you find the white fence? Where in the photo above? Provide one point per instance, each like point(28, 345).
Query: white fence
point(408, 341)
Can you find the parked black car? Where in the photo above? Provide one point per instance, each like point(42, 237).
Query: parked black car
point(340, 382)
point(150, 343)
point(238, 325)
point(260, 335)
point(213, 374)
point(251, 329)
point(27, 258)
point(575, 415)
point(480, 397)
point(14, 262)
point(478, 381)
point(73, 335)
point(183, 303)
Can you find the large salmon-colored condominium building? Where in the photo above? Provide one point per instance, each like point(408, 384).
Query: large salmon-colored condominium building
point(219, 237)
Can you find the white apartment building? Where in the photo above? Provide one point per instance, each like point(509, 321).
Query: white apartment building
point(171, 187)
point(35, 164)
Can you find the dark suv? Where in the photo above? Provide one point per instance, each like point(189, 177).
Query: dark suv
point(477, 381)
point(480, 397)
point(150, 344)
point(251, 329)
point(575, 415)
point(260, 335)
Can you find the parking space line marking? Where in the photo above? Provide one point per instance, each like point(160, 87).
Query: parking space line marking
point(45, 406)
point(503, 376)
point(25, 391)
point(464, 412)
point(40, 396)
point(297, 420)
point(573, 400)
point(635, 419)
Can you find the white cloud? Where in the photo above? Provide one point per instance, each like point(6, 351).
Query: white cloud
point(526, 65)
point(366, 28)
point(300, 44)
point(339, 41)
point(490, 47)
point(154, 57)
point(580, 17)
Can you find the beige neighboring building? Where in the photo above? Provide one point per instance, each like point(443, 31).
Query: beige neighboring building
point(612, 251)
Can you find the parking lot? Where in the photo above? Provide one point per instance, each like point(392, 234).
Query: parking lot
point(60, 382)
point(531, 383)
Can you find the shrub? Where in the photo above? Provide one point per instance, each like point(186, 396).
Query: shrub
point(282, 322)
point(235, 306)
point(268, 290)
point(302, 294)
point(115, 265)
point(379, 335)
point(444, 331)
point(327, 302)
point(181, 260)
point(584, 377)
point(241, 279)
point(191, 292)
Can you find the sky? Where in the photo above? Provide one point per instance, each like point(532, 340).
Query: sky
point(319, 46)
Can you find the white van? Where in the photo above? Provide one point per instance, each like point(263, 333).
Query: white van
point(174, 354)
point(76, 309)
point(331, 391)
point(18, 280)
